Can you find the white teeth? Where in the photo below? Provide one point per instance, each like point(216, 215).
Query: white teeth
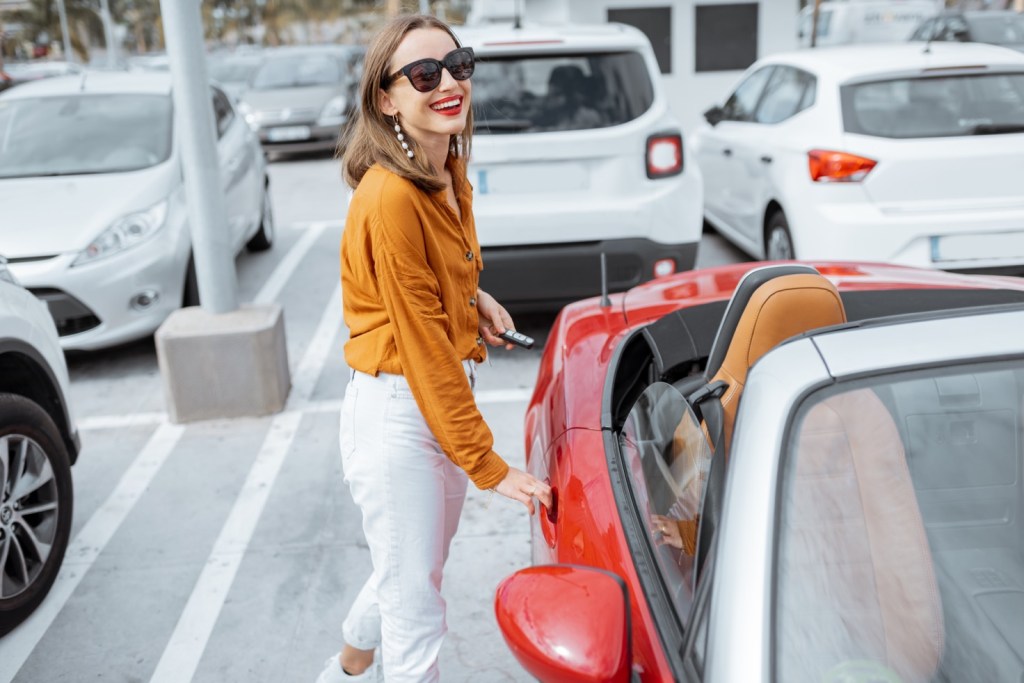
point(446, 105)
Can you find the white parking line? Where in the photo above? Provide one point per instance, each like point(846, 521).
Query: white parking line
point(277, 280)
point(188, 642)
point(315, 357)
point(16, 647)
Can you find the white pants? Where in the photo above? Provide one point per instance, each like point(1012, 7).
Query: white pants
point(411, 496)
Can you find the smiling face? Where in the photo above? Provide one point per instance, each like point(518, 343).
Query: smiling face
point(430, 118)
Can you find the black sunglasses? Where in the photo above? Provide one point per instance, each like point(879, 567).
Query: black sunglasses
point(425, 74)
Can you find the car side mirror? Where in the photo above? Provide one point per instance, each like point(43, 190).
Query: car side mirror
point(567, 623)
point(715, 115)
point(960, 35)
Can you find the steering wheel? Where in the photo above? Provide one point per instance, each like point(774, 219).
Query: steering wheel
point(861, 671)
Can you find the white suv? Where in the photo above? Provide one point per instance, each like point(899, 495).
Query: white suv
point(38, 445)
point(575, 153)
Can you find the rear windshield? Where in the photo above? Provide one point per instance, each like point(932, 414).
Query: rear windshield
point(925, 107)
point(532, 94)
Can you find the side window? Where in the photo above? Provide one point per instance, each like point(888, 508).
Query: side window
point(957, 29)
point(223, 114)
point(784, 95)
point(741, 104)
point(924, 31)
point(668, 457)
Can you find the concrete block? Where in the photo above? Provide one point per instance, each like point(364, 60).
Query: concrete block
point(223, 365)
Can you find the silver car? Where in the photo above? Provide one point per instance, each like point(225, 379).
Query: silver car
point(300, 98)
point(94, 217)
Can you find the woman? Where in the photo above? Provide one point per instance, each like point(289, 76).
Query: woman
point(411, 434)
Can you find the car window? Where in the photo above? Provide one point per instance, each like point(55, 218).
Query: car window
point(235, 70)
point(971, 104)
point(82, 134)
point(784, 95)
point(297, 71)
point(741, 104)
point(899, 530)
point(999, 30)
point(223, 113)
point(957, 29)
point(540, 93)
point(667, 457)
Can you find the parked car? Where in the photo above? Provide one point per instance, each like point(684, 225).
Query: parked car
point(576, 154)
point(14, 73)
point(94, 209)
point(783, 473)
point(300, 98)
point(868, 21)
point(886, 153)
point(38, 445)
point(1004, 28)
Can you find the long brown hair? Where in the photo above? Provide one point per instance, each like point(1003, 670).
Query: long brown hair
point(371, 139)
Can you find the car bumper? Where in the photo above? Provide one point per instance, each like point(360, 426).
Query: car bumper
point(543, 277)
point(319, 138)
point(92, 304)
point(949, 240)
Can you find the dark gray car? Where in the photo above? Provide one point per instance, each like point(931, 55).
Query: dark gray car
point(299, 99)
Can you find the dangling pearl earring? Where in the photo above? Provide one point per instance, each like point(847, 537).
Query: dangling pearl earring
point(401, 139)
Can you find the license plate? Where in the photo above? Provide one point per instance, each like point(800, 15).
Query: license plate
point(978, 247)
point(532, 178)
point(288, 133)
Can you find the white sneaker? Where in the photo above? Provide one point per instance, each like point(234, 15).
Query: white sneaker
point(333, 673)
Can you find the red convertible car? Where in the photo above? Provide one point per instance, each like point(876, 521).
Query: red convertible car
point(787, 472)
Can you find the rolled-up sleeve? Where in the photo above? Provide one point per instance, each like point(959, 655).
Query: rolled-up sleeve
point(411, 295)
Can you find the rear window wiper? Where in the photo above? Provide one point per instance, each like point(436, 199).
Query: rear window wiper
point(996, 128)
point(507, 124)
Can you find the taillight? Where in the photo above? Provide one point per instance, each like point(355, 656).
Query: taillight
point(838, 167)
point(664, 155)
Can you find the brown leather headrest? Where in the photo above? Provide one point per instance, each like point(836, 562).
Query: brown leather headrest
point(781, 308)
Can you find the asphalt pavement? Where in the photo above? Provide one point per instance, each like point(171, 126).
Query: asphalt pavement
point(230, 550)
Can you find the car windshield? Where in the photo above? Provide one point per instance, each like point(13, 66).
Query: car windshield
point(82, 134)
point(1000, 30)
point(297, 71)
point(667, 456)
point(900, 537)
point(936, 106)
point(233, 70)
point(534, 94)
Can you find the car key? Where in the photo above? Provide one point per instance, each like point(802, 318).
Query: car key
point(517, 338)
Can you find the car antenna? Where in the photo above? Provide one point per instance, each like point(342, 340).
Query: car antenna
point(605, 301)
point(931, 37)
point(81, 85)
point(518, 23)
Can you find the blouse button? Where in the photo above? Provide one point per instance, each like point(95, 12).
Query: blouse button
point(469, 256)
point(472, 301)
point(479, 340)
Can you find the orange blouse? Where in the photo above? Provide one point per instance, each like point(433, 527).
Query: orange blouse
point(409, 272)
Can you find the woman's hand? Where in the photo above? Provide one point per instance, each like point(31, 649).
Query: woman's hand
point(669, 530)
point(521, 486)
point(494, 319)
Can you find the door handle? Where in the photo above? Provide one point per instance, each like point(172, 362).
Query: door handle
point(727, 152)
point(766, 159)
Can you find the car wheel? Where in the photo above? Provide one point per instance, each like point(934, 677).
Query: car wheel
point(264, 237)
point(191, 295)
point(35, 507)
point(778, 240)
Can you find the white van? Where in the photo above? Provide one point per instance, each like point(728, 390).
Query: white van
point(575, 154)
point(847, 23)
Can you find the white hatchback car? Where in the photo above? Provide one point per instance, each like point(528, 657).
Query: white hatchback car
point(38, 444)
point(575, 153)
point(900, 153)
point(93, 213)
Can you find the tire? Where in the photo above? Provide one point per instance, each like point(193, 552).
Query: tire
point(29, 439)
point(264, 237)
point(778, 240)
point(190, 297)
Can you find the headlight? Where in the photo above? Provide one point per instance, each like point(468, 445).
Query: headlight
point(126, 232)
point(333, 112)
point(250, 116)
point(6, 275)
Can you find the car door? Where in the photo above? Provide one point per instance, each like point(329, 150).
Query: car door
point(236, 168)
point(756, 146)
point(716, 150)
